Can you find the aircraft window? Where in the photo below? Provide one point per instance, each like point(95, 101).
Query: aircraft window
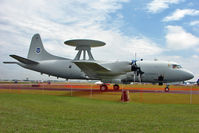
point(174, 66)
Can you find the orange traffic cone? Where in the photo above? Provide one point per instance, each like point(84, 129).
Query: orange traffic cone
point(125, 96)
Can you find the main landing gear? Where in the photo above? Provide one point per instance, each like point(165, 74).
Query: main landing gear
point(104, 87)
point(116, 87)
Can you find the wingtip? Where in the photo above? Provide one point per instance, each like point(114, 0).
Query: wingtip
point(11, 55)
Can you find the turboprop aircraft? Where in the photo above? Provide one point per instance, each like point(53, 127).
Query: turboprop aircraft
point(40, 60)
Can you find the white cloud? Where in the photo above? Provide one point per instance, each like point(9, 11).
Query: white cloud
point(159, 5)
point(56, 20)
point(120, 47)
point(195, 56)
point(197, 49)
point(143, 46)
point(177, 38)
point(179, 14)
point(193, 23)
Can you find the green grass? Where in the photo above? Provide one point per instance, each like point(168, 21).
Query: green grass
point(48, 113)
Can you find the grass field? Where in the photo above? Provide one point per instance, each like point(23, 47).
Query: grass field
point(62, 113)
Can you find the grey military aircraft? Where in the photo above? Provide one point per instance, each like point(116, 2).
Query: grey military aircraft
point(108, 72)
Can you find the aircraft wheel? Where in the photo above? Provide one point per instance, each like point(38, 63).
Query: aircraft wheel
point(103, 87)
point(166, 89)
point(116, 87)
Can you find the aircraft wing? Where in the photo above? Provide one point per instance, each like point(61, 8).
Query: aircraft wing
point(92, 69)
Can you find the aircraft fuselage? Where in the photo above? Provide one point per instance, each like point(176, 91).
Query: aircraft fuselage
point(152, 70)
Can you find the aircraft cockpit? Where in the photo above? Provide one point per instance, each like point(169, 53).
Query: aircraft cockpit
point(175, 66)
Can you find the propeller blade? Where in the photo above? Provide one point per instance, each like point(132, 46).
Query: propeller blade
point(140, 80)
point(134, 77)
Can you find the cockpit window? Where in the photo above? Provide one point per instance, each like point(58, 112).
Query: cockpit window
point(175, 66)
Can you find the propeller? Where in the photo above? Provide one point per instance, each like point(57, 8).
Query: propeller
point(136, 69)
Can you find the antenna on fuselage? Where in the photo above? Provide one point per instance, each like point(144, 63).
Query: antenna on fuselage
point(84, 45)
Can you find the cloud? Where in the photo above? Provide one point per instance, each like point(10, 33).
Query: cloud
point(195, 57)
point(193, 23)
point(197, 49)
point(56, 20)
point(179, 14)
point(120, 47)
point(143, 46)
point(159, 5)
point(178, 39)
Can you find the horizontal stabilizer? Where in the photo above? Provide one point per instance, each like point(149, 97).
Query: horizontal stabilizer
point(9, 62)
point(24, 60)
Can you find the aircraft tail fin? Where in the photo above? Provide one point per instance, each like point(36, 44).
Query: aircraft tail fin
point(37, 51)
point(23, 60)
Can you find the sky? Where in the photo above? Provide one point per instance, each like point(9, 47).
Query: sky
point(153, 29)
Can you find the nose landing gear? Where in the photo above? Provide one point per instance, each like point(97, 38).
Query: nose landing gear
point(103, 87)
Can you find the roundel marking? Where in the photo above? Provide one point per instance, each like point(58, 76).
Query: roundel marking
point(38, 50)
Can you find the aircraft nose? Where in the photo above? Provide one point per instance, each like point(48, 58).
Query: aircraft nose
point(188, 75)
